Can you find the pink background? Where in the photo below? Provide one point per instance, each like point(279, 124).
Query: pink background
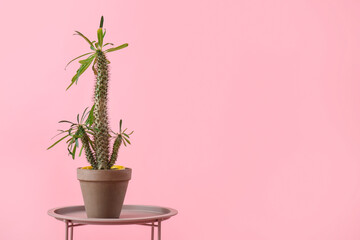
point(246, 115)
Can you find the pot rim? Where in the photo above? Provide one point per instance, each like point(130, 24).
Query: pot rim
point(105, 175)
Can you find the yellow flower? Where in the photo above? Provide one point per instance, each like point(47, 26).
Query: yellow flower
point(115, 167)
point(87, 167)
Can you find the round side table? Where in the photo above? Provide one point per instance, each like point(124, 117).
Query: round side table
point(152, 216)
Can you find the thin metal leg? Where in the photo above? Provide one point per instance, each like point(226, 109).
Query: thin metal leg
point(71, 231)
point(66, 229)
point(159, 230)
point(152, 231)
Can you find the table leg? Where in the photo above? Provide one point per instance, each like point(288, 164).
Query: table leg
point(152, 231)
point(69, 227)
point(66, 229)
point(159, 230)
point(71, 231)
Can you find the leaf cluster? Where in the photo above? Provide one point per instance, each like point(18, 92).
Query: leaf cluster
point(82, 127)
point(96, 47)
point(124, 137)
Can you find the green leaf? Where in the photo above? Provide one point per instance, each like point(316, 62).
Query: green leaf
point(90, 133)
point(90, 120)
point(84, 114)
point(85, 64)
point(126, 135)
point(61, 132)
point(57, 141)
point(127, 140)
point(65, 121)
point(72, 82)
point(82, 35)
point(100, 36)
point(92, 47)
point(89, 130)
point(78, 120)
point(77, 58)
point(73, 152)
point(101, 21)
point(77, 142)
point(84, 61)
point(117, 48)
point(108, 44)
point(69, 151)
point(120, 124)
point(87, 60)
point(82, 147)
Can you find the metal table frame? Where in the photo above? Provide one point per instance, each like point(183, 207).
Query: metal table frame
point(153, 221)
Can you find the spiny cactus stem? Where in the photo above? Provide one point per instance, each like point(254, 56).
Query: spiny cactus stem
point(102, 141)
point(115, 150)
point(85, 140)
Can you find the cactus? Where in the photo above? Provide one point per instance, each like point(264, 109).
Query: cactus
point(93, 128)
point(100, 111)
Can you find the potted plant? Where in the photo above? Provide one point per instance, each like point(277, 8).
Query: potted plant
point(103, 184)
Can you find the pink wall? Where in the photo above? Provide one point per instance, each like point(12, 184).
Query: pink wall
point(246, 115)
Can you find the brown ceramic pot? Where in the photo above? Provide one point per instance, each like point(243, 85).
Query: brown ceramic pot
point(103, 191)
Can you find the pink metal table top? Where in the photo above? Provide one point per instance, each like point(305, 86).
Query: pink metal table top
point(152, 216)
point(130, 214)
